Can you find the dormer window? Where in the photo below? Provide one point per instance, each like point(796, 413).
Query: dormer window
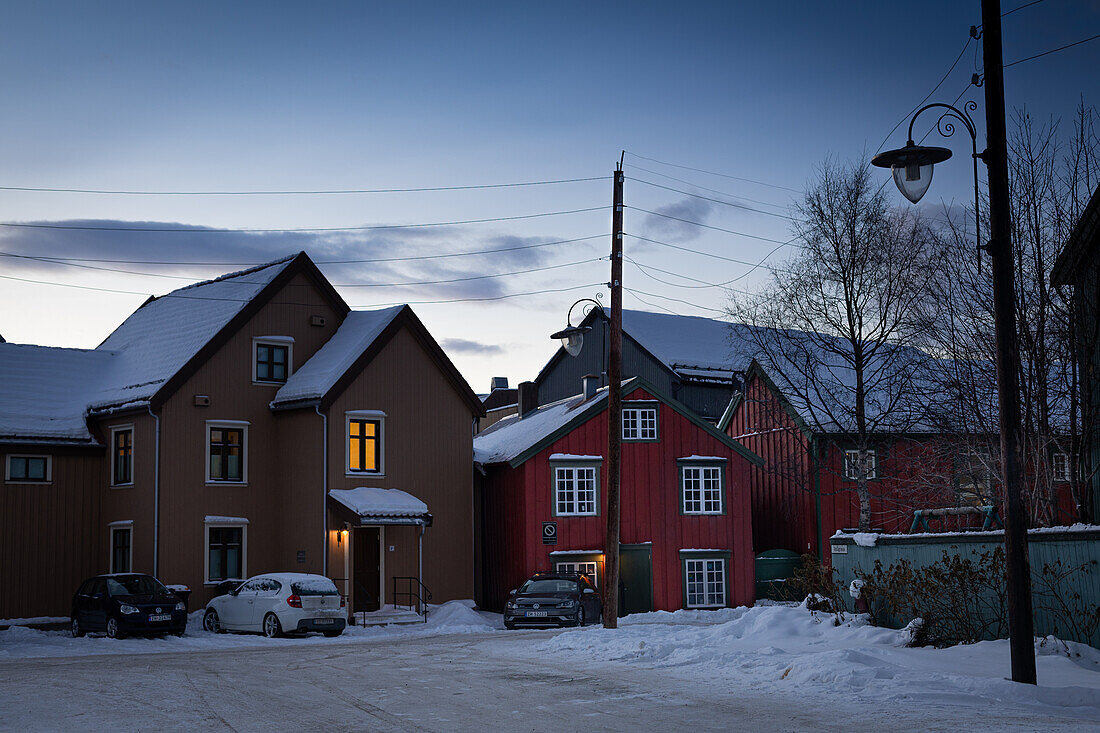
point(272, 359)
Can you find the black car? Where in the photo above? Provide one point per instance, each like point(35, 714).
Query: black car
point(127, 603)
point(553, 599)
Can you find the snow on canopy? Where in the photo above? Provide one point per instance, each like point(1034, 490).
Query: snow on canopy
point(324, 368)
point(368, 501)
point(46, 392)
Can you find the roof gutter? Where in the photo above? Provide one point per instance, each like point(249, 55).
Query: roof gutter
point(156, 492)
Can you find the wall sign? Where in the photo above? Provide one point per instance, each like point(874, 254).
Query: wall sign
point(839, 549)
point(301, 555)
point(549, 533)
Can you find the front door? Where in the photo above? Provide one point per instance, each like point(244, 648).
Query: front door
point(635, 579)
point(367, 574)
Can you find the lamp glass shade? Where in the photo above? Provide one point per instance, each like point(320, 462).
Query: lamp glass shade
point(913, 179)
point(573, 342)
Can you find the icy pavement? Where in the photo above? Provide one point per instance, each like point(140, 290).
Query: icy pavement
point(760, 669)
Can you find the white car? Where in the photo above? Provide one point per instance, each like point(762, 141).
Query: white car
point(278, 603)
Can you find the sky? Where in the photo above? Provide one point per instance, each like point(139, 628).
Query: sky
point(725, 111)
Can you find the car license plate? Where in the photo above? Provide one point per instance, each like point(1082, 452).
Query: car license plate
point(531, 614)
point(160, 617)
point(323, 620)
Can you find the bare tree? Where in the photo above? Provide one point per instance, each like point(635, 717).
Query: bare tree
point(832, 324)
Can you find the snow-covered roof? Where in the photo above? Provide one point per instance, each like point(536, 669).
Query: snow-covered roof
point(43, 390)
point(509, 437)
point(324, 368)
point(692, 345)
point(368, 501)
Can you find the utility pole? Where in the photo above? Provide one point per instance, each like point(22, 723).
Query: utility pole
point(614, 409)
point(1017, 569)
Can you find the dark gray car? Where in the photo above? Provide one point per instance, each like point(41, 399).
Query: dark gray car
point(553, 599)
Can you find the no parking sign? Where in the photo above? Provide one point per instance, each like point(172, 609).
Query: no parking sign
point(549, 533)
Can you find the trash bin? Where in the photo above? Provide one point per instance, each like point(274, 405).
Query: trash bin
point(773, 569)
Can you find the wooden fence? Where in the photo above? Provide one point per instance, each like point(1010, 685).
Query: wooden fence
point(1077, 546)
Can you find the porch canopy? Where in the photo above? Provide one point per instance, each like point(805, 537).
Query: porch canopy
point(371, 506)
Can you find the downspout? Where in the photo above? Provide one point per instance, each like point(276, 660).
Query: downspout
point(156, 492)
point(324, 487)
point(815, 448)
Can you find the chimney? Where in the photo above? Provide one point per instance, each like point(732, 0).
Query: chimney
point(498, 383)
point(591, 383)
point(528, 398)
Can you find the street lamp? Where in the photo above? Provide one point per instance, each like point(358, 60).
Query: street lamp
point(572, 337)
point(913, 159)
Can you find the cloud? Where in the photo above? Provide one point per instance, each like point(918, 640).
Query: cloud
point(466, 346)
point(397, 256)
point(691, 209)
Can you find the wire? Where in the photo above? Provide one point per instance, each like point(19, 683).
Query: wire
point(302, 229)
point(717, 257)
point(706, 226)
point(677, 300)
point(1053, 50)
point(713, 173)
point(651, 304)
point(927, 96)
point(320, 192)
point(481, 300)
point(708, 198)
point(1025, 5)
point(711, 190)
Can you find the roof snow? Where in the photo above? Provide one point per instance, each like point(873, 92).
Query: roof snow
point(368, 501)
point(690, 344)
point(317, 376)
point(509, 437)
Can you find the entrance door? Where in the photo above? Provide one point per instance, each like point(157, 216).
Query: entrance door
point(367, 576)
point(635, 579)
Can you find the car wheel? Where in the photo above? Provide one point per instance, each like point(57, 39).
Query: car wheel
point(114, 631)
point(211, 622)
point(78, 630)
point(272, 627)
point(580, 616)
point(509, 625)
point(332, 634)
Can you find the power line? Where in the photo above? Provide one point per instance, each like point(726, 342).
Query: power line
point(713, 173)
point(319, 192)
point(711, 190)
point(677, 300)
point(714, 256)
point(706, 226)
point(708, 198)
point(1053, 50)
point(1025, 5)
point(302, 229)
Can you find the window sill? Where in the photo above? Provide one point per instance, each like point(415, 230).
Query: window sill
point(576, 515)
point(123, 486)
point(226, 483)
point(363, 474)
point(17, 482)
point(258, 383)
point(709, 607)
point(703, 514)
point(641, 440)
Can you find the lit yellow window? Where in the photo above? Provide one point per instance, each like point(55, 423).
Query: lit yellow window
point(364, 449)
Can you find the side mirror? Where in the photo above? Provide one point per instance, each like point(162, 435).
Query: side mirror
point(512, 592)
point(589, 590)
point(235, 591)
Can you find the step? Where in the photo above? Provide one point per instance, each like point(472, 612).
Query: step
point(387, 616)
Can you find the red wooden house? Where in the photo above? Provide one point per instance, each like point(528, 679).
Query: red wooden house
point(686, 539)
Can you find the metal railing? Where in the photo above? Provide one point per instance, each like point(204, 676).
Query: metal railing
point(415, 594)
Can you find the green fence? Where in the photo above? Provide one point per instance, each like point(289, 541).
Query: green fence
point(1076, 546)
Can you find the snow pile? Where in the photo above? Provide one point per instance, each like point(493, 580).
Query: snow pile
point(778, 646)
point(458, 617)
point(368, 501)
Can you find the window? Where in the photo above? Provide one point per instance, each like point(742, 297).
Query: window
point(1061, 467)
point(227, 452)
point(121, 547)
point(271, 359)
point(225, 552)
point(704, 582)
point(122, 456)
point(587, 569)
point(575, 490)
point(639, 423)
point(365, 442)
point(859, 464)
point(31, 469)
point(975, 478)
point(701, 489)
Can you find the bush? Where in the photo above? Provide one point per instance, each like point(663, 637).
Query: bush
point(815, 585)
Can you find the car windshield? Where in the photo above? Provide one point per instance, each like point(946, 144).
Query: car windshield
point(135, 585)
point(549, 585)
point(314, 587)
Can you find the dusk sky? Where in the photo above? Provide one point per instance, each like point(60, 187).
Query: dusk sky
point(319, 96)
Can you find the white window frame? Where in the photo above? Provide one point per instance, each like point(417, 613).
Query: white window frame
point(581, 568)
point(241, 425)
point(708, 567)
point(635, 414)
point(111, 468)
point(378, 415)
point(230, 524)
point(573, 471)
point(127, 525)
point(1062, 474)
point(706, 503)
point(848, 462)
point(49, 469)
point(286, 341)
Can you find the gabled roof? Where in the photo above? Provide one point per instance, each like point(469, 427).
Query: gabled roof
point(515, 439)
point(359, 339)
point(1085, 235)
point(43, 391)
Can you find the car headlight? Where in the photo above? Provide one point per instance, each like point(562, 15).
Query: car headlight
point(510, 604)
point(568, 603)
point(127, 608)
point(180, 606)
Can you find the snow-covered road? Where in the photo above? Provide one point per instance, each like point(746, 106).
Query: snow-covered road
point(749, 669)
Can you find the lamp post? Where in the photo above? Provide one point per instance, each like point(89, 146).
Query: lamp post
point(909, 165)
